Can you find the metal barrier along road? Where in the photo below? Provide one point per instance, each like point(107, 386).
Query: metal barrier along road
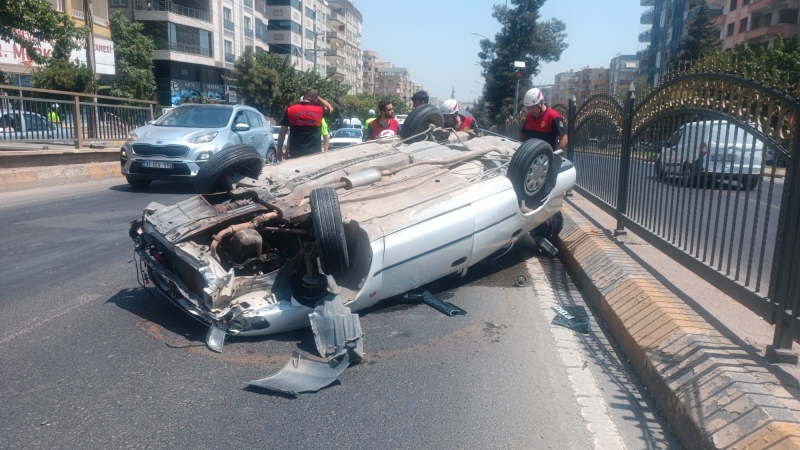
point(695, 168)
point(37, 115)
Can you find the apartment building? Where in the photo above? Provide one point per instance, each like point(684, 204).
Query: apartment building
point(344, 55)
point(591, 81)
point(662, 37)
point(622, 72)
point(298, 28)
point(756, 22)
point(370, 72)
point(395, 81)
point(14, 60)
point(565, 86)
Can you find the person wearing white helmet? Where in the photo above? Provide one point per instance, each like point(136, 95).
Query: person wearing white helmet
point(454, 120)
point(385, 125)
point(370, 119)
point(542, 122)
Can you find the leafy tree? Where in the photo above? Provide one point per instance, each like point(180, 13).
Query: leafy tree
point(256, 83)
point(702, 36)
point(133, 54)
point(523, 37)
point(29, 22)
point(61, 74)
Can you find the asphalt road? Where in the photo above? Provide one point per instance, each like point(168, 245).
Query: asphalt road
point(92, 360)
point(732, 229)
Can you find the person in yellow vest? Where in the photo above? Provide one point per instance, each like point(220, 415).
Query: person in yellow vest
point(326, 140)
point(53, 114)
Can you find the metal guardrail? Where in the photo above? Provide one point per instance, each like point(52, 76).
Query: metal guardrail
point(37, 115)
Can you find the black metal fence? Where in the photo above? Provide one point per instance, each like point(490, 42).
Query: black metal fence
point(37, 115)
point(703, 169)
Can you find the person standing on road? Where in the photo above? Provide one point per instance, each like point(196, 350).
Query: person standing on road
point(326, 140)
point(305, 120)
point(53, 114)
point(454, 120)
point(419, 98)
point(385, 125)
point(542, 122)
point(369, 119)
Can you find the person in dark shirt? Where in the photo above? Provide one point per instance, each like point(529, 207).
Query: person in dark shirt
point(305, 120)
point(419, 98)
point(542, 122)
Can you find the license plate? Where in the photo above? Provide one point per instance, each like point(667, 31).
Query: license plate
point(157, 164)
point(728, 157)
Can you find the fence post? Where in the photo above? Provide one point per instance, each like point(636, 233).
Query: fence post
point(571, 129)
point(625, 163)
point(77, 133)
point(783, 290)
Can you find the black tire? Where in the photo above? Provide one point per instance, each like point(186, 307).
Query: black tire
point(751, 181)
point(419, 120)
point(138, 183)
point(242, 158)
point(659, 168)
point(272, 156)
point(551, 228)
point(689, 177)
point(329, 231)
point(530, 171)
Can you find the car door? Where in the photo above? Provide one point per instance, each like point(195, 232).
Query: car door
point(260, 132)
point(671, 160)
point(243, 137)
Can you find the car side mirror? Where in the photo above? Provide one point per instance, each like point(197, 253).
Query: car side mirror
point(150, 122)
point(241, 127)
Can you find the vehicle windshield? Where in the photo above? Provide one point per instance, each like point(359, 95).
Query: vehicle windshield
point(348, 133)
point(276, 130)
point(196, 117)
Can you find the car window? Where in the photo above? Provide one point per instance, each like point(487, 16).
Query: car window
point(10, 120)
point(241, 118)
point(676, 137)
point(196, 117)
point(276, 130)
point(255, 121)
point(348, 133)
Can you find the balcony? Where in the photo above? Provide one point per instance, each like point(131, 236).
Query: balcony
point(764, 6)
point(187, 48)
point(763, 32)
point(248, 4)
point(262, 37)
point(58, 5)
point(643, 54)
point(647, 2)
point(228, 25)
point(713, 12)
point(248, 33)
point(335, 35)
point(97, 20)
point(230, 58)
point(341, 54)
point(647, 17)
point(168, 6)
point(338, 18)
point(645, 36)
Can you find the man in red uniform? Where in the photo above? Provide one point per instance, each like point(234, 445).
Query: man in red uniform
point(305, 119)
point(385, 125)
point(454, 120)
point(542, 122)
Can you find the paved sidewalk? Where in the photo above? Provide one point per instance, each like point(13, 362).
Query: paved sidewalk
point(700, 352)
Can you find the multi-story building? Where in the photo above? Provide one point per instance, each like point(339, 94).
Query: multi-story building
point(298, 28)
point(197, 42)
point(14, 60)
point(622, 72)
point(756, 22)
point(592, 80)
point(566, 85)
point(662, 38)
point(370, 72)
point(395, 81)
point(344, 39)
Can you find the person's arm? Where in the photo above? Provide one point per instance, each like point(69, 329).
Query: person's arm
point(560, 130)
point(562, 142)
point(324, 103)
point(281, 137)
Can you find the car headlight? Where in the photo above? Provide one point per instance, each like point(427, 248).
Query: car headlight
point(204, 138)
point(123, 153)
point(133, 136)
point(203, 156)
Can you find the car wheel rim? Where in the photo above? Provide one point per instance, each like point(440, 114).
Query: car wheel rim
point(537, 174)
point(271, 157)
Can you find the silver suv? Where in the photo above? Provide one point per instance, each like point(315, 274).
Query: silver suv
point(175, 146)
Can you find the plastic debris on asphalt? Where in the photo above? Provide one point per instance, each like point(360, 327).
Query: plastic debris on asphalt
point(573, 317)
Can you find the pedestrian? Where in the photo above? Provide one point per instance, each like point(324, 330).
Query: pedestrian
point(454, 120)
point(326, 140)
point(53, 114)
point(419, 98)
point(385, 125)
point(369, 119)
point(304, 120)
point(542, 122)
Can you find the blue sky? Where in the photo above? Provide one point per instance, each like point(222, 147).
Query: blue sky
point(433, 37)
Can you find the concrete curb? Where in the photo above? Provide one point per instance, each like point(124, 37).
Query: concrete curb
point(10, 159)
point(711, 391)
point(35, 177)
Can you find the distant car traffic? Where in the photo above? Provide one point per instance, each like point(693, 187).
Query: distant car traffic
point(344, 137)
point(27, 125)
point(175, 146)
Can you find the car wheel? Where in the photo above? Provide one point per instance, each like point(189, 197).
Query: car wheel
point(138, 183)
point(530, 169)
point(751, 182)
point(419, 120)
point(242, 158)
point(688, 175)
point(781, 161)
point(659, 168)
point(329, 231)
point(272, 156)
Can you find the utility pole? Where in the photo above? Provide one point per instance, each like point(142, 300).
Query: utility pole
point(90, 63)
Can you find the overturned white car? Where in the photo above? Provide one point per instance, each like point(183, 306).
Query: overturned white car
point(261, 247)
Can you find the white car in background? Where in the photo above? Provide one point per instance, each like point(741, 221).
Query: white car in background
point(344, 137)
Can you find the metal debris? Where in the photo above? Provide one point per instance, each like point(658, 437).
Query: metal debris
point(336, 330)
point(302, 374)
point(521, 281)
point(215, 337)
point(442, 306)
point(545, 246)
point(573, 317)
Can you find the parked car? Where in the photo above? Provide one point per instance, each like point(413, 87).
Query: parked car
point(344, 137)
point(180, 142)
point(361, 224)
point(711, 150)
point(26, 125)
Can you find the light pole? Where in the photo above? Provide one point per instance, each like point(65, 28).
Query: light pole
point(518, 74)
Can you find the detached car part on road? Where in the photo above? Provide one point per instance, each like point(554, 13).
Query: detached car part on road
point(258, 250)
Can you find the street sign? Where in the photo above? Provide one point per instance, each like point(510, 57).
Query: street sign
point(519, 64)
point(518, 74)
point(231, 97)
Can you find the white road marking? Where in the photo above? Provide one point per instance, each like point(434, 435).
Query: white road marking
point(80, 301)
point(594, 408)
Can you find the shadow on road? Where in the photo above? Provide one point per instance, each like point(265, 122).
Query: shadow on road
point(157, 187)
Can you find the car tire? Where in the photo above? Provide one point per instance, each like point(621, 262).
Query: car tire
point(751, 181)
point(659, 169)
point(419, 120)
point(242, 158)
point(272, 156)
point(138, 183)
point(688, 176)
point(530, 169)
point(329, 231)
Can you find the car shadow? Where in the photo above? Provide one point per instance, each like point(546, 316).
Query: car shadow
point(157, 187)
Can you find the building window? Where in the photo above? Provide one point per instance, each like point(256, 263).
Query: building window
point(227, 20)
point(788, 16)
point(310, 57)
point(743, 25)
point(745, 2)
point(734, 4)
point(599, 76)
point(310, 13)
point(113, 3)
point(293, 3)
point(309, 34)
point(229, 52)
point(730, 29)
point(286, 25)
